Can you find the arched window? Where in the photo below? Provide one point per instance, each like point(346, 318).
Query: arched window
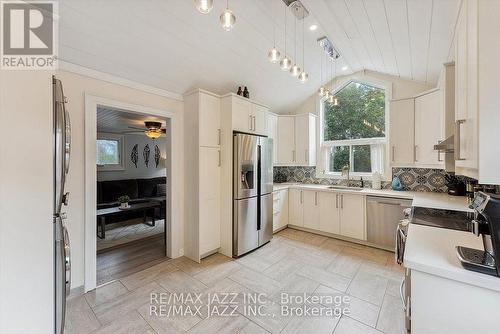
point(353, 133)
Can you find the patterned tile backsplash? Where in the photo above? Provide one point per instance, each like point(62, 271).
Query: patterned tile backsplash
point(415, 179)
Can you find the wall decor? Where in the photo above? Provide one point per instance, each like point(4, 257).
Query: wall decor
point(145, 155)
point(157, 156)
point(134, 155)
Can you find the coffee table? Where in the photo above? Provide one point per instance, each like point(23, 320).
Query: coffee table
point(147, 207)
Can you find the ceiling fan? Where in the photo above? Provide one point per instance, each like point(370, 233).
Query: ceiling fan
point(152, 129)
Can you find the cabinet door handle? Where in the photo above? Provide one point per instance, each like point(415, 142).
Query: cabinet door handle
point(251, 122)
point(254, 123)
point(218, 136)
point(341, 201)
point(306, 153)
point(220, 158)
point(458, 123)
point(415, 153)
point(336, 201)
point(293, 155)
point(393, 152)
point(301, 200)
point(316, 198)
point(439, 152)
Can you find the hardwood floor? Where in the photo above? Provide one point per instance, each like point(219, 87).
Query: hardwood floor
point(124, 260)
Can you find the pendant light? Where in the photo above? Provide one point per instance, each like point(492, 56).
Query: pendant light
point(303, 76)
point(321, 90)
point(204, 6)
point(330, 95)
point(274, 55)
point(286, 62)
point(335, 100)
point(227, 18)
point(295, 70)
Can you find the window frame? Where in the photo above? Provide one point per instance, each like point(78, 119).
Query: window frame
point(324, 147)
point(121, 148)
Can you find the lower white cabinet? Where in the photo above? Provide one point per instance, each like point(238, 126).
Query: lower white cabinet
point(280, 209)
point(352, 216)
point(296, 207)
point(331, 212)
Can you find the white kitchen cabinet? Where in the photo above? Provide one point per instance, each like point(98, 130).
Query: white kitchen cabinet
point(259, 114)
point(242, 114)
point(352, 216)
point(429, 128)
point(305, 140)
point(311, 209)
point(297, 140)
point(272, 132)
point(210, 131)
point(209, 201)
point(280, 209)
point(402, 125)
point(296, 207)
point(329, 214)
point(286, 140)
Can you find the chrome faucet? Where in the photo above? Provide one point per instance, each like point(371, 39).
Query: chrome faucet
point(345, 172)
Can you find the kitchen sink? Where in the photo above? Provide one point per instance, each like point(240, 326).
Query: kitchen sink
point(345, 188)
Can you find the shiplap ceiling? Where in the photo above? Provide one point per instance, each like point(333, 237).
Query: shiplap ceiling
point(119, 121)
point(169, 45)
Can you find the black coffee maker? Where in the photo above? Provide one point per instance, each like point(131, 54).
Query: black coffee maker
point(486, 224)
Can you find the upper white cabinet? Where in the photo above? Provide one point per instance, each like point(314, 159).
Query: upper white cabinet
point(247, 115)
point(297, 140)
point(429, 128)
point(209, 113)
point(402, 125)
point(272, 132)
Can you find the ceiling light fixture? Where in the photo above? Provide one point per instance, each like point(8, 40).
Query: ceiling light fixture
point(153, 133)
point(344, 68)
point(274, 55)
point(204, 6)
point(321, 90)
point(303, 76)
point(295, 70)
point(227, 18)
point(285, 63)
point(313, 27)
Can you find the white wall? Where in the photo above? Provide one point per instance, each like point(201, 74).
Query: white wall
point(141, 171)
point(75, 88)
point(26, 203)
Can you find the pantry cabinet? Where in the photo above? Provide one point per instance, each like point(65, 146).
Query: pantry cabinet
point(272, 132)
point(297, 140)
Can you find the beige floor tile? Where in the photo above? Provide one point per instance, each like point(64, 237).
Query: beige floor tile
point(347, 325)
point(221, 325)
point(165, 322)
point(80, 319)
point(253, 328)
point(294, 285)
point(268, 316)
point(117, 307)
point(324, 277)
point(393, 287)
point(129, 323)
point(345, 265)
point(283, 269)
point(391, 319)
point(370, 254)
point(217, 272)
point(148, 275)
point(369, 287)
point(178, 282)
point(316, 325)
point(256, 281)
point(105, 293)
point(313, 258)
point(192, 268)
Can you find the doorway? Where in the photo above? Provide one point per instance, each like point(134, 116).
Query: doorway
point(124, 164)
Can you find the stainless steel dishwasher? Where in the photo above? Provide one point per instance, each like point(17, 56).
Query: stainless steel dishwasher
point(383, 215)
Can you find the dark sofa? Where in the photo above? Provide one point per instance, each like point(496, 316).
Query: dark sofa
point(139, 191)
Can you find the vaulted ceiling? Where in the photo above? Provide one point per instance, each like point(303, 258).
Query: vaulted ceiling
point(168, 44)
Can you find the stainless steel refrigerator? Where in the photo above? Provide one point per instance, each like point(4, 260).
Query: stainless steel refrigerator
point(62, 150)
point(252, 192)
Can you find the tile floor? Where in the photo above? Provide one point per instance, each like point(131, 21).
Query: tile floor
point(295, 262)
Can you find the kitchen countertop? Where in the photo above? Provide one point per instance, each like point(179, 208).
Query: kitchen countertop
point(432, 250)
point(424, 199)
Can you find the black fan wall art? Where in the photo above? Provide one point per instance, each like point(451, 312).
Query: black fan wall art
point(157, 156)
point(134, 155)
point(145, 154)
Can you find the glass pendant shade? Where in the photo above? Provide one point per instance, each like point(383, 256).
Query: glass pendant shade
point(330, 99)
point(335, 101)
point(321, 91)
point(227, 20)
point(286, 63)
point(204, 6)
point(295, 70)
point(303, 76)
point(327, 94)
point(274, 55)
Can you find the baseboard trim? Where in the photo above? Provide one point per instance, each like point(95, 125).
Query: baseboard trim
point(280, 229)
point(76, 292)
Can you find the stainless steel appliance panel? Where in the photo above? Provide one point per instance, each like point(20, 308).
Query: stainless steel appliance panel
point(62, 144)
point(245, 165)
point(266, 165)
point(63, 272)
point(266, 219)
point(383, 216)
point(245, 234)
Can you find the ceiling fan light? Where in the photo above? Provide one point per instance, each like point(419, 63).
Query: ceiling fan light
point(286, 63)
point(153, 133)
point(227, 19)
point(204, 6)
point(303, 76)
point(274, 55)
point(295, 70)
